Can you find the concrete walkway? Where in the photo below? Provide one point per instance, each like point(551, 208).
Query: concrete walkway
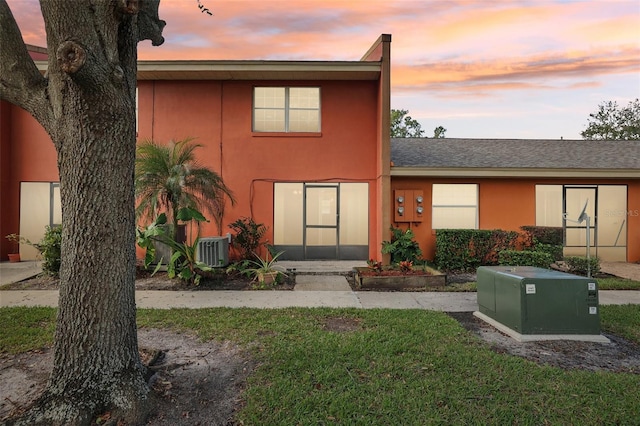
point(630, 271)
point(436, 301)
point(311, 291)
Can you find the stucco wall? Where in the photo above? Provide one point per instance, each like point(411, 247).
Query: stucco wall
point(27, 155)
point(218, 115)
point(510, 203)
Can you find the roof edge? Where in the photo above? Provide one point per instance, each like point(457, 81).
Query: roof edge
point(513, 172)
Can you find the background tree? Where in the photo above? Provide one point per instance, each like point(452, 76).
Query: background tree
point(612, 122)
point(403, 126)
point(438, 132)
point(86, 103)
point(168, 177)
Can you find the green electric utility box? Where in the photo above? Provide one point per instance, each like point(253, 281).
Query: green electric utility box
point(533, 300)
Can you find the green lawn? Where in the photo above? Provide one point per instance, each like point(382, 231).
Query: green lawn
point(603, 284)
point(395, 367)
point(618, 284)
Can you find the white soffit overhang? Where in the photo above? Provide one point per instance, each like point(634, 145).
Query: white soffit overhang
point(516, 173)
point(254, 70)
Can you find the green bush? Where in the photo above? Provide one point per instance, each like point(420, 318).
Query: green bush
point(50, 250)
point(466, 249)
point(248, 235)
point(545, 234)
point(555, 251)
point(578, 264)
point(402, 246)
point(540, 259)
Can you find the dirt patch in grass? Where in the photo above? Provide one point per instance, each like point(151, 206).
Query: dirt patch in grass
point(618, 356)
point(198, 383)
point(341, 324)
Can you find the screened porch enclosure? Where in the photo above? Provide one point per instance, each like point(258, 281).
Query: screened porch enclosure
point(321, 221)
point(606, 206)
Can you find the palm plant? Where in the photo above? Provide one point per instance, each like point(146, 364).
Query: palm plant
point(168, 178)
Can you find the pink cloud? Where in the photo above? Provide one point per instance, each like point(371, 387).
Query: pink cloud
point(534, 72)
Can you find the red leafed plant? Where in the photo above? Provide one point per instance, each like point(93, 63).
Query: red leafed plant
point(405, 265)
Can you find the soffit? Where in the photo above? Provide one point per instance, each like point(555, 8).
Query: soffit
point(257, 70)
point(254, 70)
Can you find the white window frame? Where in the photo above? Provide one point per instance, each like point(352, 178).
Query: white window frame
point(435, 205)
point(286, 109)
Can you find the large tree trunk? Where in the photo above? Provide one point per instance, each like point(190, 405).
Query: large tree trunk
point(87, 105)
point(96, 361)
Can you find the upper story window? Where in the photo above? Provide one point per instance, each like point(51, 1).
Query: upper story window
point(455, 206)
point(286, 109)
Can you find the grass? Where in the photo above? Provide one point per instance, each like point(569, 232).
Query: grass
point(603, 284)
point(394, 367)
point(618, 284)
point(621, 320)
point(25, 329)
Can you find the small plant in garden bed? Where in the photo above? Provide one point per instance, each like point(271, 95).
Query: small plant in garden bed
point(395, 270)
point(402, 246)
point(264, 272)
point(375, 265)
point(398, 277)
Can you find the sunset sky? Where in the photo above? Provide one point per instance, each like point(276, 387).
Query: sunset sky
point(480, 68)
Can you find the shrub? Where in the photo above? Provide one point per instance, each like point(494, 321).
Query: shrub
point(50, 250)
point(402, 246)
point(466, 249)
point(545, 234)
point(540, 259)
point(578, 264)
point(247, 237)
point(555, 251)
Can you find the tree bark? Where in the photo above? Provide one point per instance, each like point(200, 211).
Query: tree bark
point(87, 105)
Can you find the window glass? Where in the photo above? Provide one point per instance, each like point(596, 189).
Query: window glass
point(455, 206)
point(269, 97)
point(287, 217)
point(612, 215)
point(354, 213)
point(304, 121)
point(286, 109)
point(304, 97)
point(548, 205)
point(268, 120)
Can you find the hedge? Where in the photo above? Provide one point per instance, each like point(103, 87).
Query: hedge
point(466, 249)
point(545, 234)
point(555, 251)
point(578, 264)
point(525, 258)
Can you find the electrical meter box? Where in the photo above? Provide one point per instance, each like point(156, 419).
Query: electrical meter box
point(538, 301)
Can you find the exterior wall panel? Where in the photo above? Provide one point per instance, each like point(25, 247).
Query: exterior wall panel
point(510, 203)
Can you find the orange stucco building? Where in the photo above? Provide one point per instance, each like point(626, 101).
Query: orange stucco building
point(305, 147)
point(506, 184)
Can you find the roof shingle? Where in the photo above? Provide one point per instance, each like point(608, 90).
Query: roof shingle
point(515, 153)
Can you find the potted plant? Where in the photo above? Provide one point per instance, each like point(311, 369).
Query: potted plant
point(265, 270)
point(15, 238)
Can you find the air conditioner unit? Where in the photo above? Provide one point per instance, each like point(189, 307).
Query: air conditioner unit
point(213, 251)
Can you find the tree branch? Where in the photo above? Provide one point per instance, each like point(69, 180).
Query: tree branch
point(149, 23)
point(20, 81)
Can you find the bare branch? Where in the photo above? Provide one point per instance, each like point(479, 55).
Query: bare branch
point(20, 81)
